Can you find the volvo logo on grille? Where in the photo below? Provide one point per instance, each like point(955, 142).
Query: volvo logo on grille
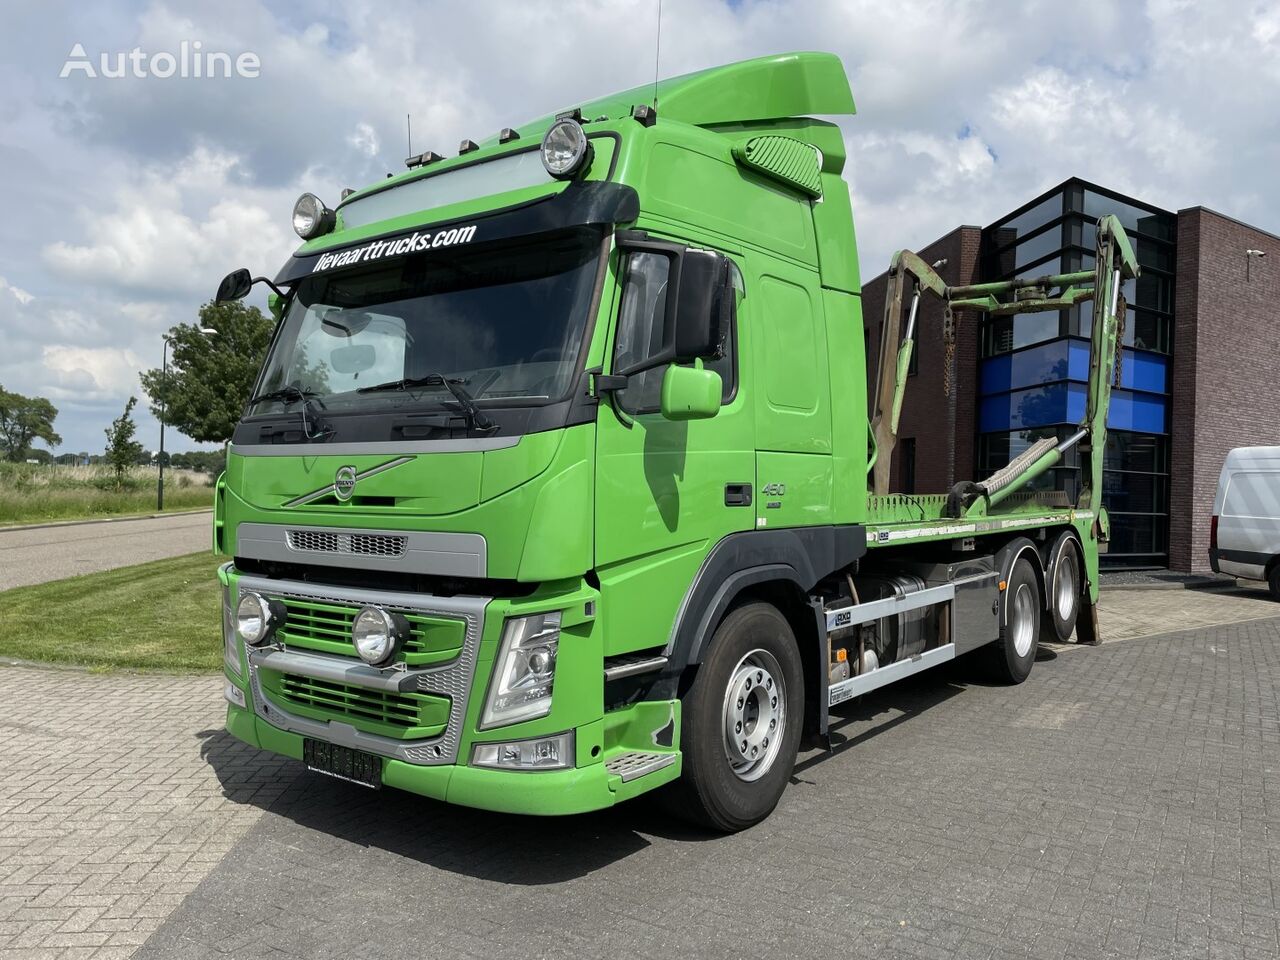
point(344, 483)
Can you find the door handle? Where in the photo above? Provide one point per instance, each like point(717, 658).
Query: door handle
point(737, 494)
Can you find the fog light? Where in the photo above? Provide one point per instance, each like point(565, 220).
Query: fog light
point(565, 149)
point(378, 634)
point(544, 753)
point(257, 618)
point(311, 217)
point(233, 694)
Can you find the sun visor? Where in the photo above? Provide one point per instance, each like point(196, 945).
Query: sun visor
point(582, 203)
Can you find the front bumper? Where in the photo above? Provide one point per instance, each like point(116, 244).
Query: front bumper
point(545, 792)
point(609, 748)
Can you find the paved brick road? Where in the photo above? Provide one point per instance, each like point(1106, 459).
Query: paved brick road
point(1121, 803)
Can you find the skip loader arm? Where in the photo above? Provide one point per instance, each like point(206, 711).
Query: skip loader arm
point(1115, 263)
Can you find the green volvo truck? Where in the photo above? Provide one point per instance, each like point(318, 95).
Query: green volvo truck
point(566, 476)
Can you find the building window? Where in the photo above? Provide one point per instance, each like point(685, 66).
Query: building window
point(1034, 373)
point(907, 464)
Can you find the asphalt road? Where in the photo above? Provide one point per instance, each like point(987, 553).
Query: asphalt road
point(41, 554)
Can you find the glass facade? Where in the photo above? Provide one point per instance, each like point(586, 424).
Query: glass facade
point(1033, 370)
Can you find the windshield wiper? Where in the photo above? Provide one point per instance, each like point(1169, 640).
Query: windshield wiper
point(289, 394)
point(294, 394)
point(475, 417)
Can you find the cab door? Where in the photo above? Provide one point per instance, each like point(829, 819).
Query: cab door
point(666, 491)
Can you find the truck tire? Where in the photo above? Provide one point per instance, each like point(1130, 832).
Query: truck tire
point(1273, 581)
point(1011, 657)
point(750, 687)
point(1064, 589)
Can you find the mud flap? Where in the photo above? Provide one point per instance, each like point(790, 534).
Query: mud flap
point(1087, 625)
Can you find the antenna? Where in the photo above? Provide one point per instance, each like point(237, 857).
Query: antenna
point(657, 52)
point(408, 122)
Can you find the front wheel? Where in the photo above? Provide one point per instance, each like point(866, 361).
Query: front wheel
point(741, 720)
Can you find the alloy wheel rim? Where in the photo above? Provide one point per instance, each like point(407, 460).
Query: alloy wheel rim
point(755, 715)
point(1023, 612)
point(1066, 599)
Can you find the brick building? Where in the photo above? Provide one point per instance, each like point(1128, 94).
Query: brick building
point(1200, 368)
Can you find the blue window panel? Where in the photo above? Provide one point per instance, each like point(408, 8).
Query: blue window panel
point(1023, 409)
point(1027, 368)
point(1139, 412)
point(1066, 403)
point(1068, 360)
point(1145, 371)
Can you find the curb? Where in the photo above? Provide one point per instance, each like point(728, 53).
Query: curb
point(1206, 585)
point(14, 528)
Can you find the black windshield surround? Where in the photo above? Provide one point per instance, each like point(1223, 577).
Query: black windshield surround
point(435, 414)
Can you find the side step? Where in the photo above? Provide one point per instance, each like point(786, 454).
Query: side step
point(638, 763)
point(632, 664)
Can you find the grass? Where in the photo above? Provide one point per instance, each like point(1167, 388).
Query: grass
point(31, 493)
point(163, 615)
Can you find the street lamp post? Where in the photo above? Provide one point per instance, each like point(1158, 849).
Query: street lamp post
point(164, 387)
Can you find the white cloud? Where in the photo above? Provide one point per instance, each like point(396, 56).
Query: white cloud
point(86, 373)
point(16, 292)
point(176, 229)
point(365, 139)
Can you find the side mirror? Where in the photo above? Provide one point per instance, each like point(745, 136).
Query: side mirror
point(234, 286)
point(704, 301)
point(690, 393)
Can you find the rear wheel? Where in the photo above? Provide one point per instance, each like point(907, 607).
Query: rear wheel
point(741, 721)
point(1064, 591)
point(1012, 656)
point(1273, 582)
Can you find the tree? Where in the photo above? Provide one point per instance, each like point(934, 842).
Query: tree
point(122, 450)
point(210, 377)
point(23, 419)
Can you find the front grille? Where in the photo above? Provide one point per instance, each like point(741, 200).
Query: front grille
point(402, 715)
point(326, 627)
point(356, 544)
point(378, 545)
point(313, 540)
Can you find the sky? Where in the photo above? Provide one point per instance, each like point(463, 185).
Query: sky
point(126, 199)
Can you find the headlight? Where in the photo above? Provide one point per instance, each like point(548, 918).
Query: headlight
point(311, 217)
point(524, 670)
point(565, 149)
point(258, 618)
point(544, 753)
point(378, 634)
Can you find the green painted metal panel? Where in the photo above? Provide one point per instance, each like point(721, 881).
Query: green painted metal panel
point(793, 406)
point(697, 183)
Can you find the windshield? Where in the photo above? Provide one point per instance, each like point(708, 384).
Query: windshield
point(503, 322)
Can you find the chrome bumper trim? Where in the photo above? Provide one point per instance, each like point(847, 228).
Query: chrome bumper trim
point(322, 666)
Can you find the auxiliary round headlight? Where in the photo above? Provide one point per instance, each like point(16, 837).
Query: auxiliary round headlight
point(255, 619)
point(377, 634)
point(565, 149)
point(311, 217)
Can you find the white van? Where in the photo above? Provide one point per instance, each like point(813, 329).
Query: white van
point(1244, 535)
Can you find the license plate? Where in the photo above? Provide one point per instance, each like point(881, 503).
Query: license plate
point(343, 763)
